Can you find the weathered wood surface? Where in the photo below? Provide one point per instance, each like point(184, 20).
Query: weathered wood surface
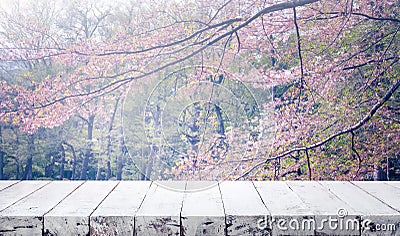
point(116, 214)
point(199, 208)
point(387, 193)
point(243, 208)
point(18, 191)
point(71, 216)
point(373, 212)
point(159, 213)
point(203, 210)
point(284, 206)
point(26, 216)
point(7, 183)
point(326, 207)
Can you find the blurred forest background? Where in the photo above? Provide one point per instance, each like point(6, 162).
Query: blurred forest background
point(222, 89)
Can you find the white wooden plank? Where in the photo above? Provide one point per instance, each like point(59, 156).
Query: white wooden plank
point(175, 186)
point(371, 210)
point(18, 191)
point(329, 211)
point(26, 216)
point(116, 214)
point(7, 183)
point(385, 192)
point(360, 200)
point(393, 183)
point(285, 207)
point(203, 210)
point(71, 216)
point(194, 212)
point(159, 213)
point(243, 208)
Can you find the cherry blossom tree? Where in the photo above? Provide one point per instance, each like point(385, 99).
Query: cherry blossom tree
point(331, 65)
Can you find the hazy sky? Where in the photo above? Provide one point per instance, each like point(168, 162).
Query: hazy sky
point(7, 4)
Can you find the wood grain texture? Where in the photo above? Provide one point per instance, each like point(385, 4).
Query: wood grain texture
point(26, 216)
point(159, 213)
point(116, 214)
point(327, 208)
point(203, 210)
point(243, 208)
point(71, 216)
point(7, 183)
point(199, 208)
point(18, 191)
point(393, 183)
point(387, 193)
point(284, 206)
point(372, 211)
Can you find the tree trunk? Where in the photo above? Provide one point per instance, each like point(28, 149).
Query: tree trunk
point(124, 150)
point(1, 154)
point(120, 158)
point(73, 176)
point(119, 167)
point(153, 148)
point(28, 168)
point(120, 164)
point(149, 167)
point(221, 126)
point(99, 163)
point(48, 171)
point(143, 167)
point(1, 165)
point(16, 161)
point(143, 172)
point(150, 162)
point(379, 174)
point(62, 162)
point(88, 152)
point(108, 172)
point(109, 144)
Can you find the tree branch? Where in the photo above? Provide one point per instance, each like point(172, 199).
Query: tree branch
point(377, 18)
point(118, 83)
point(370, 62)
point(336, 14)
point(350, 129)
point(298, 48)
point(308, 165)
point(353, 148)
